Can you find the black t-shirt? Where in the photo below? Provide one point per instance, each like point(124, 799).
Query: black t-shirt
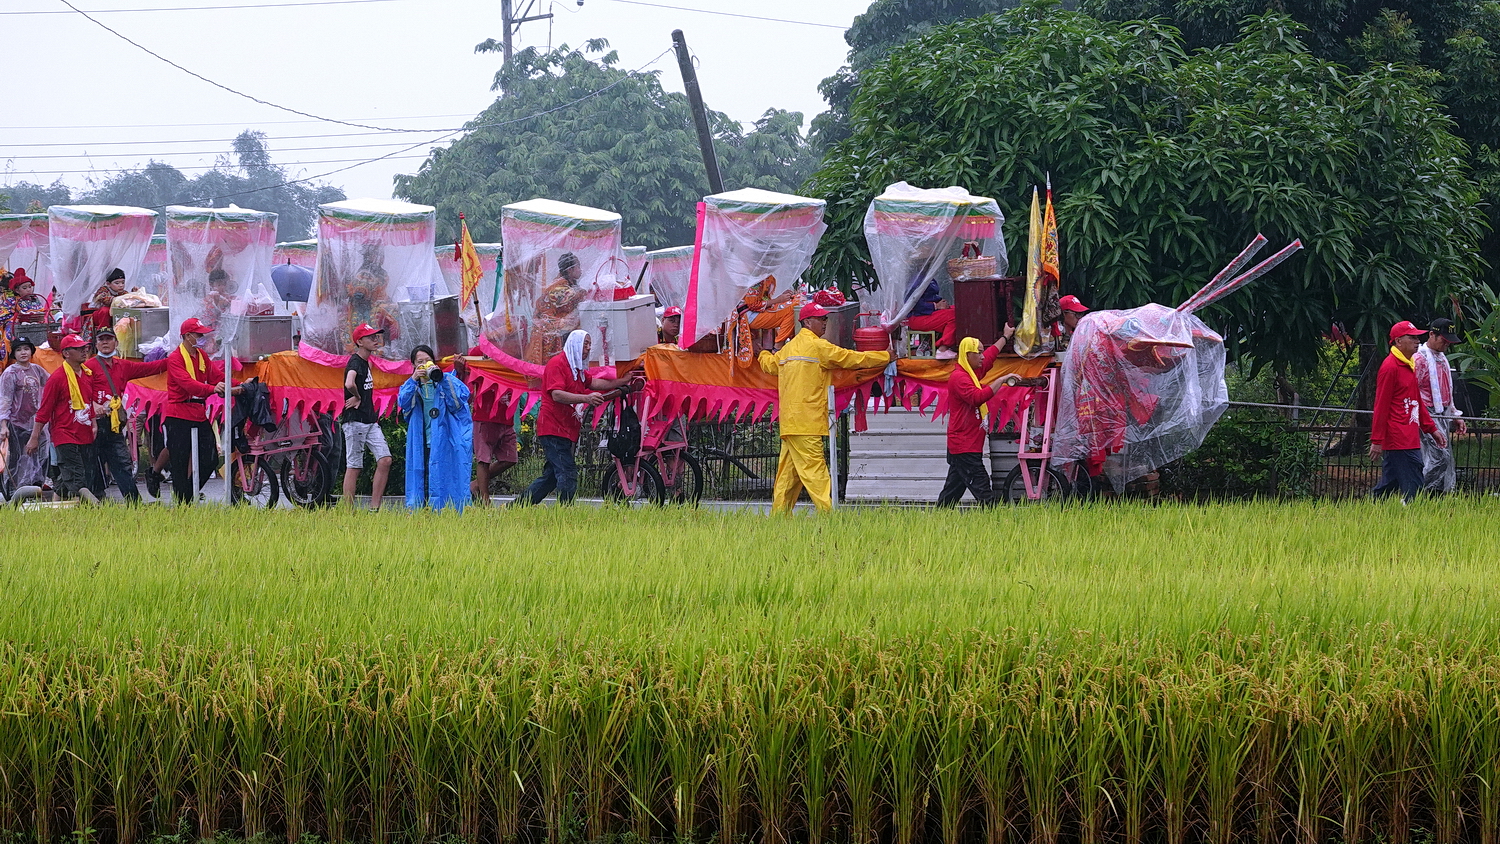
point(364, 387)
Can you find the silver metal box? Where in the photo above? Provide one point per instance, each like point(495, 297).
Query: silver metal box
point(150, 324)
point(842, 321)
point(259, 336)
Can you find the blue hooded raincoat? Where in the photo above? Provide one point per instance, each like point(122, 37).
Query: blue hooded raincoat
point(449, 438)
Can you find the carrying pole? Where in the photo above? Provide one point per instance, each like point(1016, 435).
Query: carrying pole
point(833, 450)
point(700, 115)
point(228, 441)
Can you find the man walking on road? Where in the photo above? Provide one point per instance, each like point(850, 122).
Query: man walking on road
point(801, 370)
point(111, 374)
point(1400, 418)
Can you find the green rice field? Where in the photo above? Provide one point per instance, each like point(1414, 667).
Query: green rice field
point(1267, 673)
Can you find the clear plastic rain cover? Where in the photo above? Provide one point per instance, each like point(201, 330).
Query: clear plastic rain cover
point(912, 232)
point(669, 274)
point(87, 241)
point(1142, 387)
point(156, 270)
point(24, 242)
point(556, 256)
point(220, 262)
point(375, 265)
point(489, 283)
point(635, 266)
point(747, 236)
point(298, 253)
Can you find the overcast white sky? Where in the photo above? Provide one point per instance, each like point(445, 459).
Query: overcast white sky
point(80, 99)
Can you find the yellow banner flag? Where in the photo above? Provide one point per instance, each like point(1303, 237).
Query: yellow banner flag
point(1028, 333)
point(468, 260)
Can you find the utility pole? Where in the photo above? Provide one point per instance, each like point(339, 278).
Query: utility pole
point(511, 23)
point(700, 115)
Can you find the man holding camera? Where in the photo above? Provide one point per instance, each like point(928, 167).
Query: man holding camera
point(568, 391)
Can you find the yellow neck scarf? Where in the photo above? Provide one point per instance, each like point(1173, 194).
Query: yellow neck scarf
point(75, 394)
point(188, 359)
point(965, 346)
point(1403, 358)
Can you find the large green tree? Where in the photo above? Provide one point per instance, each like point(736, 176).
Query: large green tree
point(629, 148)
point(1166, 163)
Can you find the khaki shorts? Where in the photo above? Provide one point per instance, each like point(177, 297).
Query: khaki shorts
point(495, 442)
point(361, 435)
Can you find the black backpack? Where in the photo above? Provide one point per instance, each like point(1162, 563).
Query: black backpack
point(625, 440)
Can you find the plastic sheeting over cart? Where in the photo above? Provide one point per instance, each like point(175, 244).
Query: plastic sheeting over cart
point(1142, 387)
point(87, 241)
point(912, 232)
point(744, 237)
point(25, 242)
point(556, 256)
point(220, 259)
point(376, 266)
point(669, 274)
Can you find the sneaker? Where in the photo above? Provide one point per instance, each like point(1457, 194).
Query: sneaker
point(153, 483)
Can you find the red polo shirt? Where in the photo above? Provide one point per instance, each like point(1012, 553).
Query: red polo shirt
point(122, 371)
point(965, 428)
point(56, 412)
point(555, 418)
point(1399, 413)
point(185, 393)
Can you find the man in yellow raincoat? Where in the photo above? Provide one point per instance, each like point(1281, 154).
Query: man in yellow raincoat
point(801, 370)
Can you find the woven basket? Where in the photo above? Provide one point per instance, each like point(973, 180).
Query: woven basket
point(969, 266)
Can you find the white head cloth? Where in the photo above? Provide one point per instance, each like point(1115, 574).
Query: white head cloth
point(573, 348)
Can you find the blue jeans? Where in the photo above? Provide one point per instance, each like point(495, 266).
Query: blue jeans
point(561, 473)
point(1400, 470)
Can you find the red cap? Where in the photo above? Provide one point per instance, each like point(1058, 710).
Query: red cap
point(72, 341)
point(1071, 303)
point(20, 278)
point(364, 330)
point(193, 325)
point(811, 310)
point(672, 311)
point(1404, 328)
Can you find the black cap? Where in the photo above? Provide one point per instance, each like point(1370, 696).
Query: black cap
point(104, 332)
point(1444, 329)
point(114, 274)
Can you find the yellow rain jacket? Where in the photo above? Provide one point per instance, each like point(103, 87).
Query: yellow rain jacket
point(801, 370)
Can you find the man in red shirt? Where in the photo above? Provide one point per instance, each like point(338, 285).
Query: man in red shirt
point(1400, 417)
point(111, 374)
point(567, 392)
point(68, 412)
point(192, 377)
point(967, 415)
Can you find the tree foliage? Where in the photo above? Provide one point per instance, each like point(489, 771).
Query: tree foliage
point(1165, 164)
point(885, 25)
point(628, 147)
point(254, 182)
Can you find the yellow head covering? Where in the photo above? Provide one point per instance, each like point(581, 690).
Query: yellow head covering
point(965, 346)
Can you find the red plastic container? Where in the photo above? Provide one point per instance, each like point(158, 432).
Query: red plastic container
point(871, 340)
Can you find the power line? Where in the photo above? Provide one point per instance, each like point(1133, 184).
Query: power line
point(202, 166)
point(50, 144)
point(206, 8)
point(200, 152)
point(728, 14)
point(199, 76)
point(231, 123)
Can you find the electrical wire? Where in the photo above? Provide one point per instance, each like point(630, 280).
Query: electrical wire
point(206, 8)
point(199, 76)
point(50, 144)
point(9, 127)
point(197, 152)
point(202, 166)
point(728, 14)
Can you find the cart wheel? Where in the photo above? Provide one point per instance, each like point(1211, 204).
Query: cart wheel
point(648, 485)
point(1014, 488)
point(305, 478)
point(254, 483)
point(687, 487)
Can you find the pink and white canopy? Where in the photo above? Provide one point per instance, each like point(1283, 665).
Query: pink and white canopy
point(88, 241)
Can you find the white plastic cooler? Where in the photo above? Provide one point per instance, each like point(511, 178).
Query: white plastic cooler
point(618, 331)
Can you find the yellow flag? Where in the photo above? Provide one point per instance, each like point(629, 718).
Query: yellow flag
point(1028, 336)
point(469, 261)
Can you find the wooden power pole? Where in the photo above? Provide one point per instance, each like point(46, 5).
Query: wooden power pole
point(511, 23)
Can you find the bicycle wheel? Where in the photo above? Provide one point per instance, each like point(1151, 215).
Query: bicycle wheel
point(305, 478)
point(648, 485)
point(686, 486)
point(1014, 488)
point(254, 483)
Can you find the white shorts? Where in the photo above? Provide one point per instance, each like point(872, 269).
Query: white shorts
point(361, 435)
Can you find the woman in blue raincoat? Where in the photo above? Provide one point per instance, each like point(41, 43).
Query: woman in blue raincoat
point(439, 435)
